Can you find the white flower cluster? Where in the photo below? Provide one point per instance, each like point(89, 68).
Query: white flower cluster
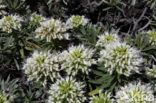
point(121, 58)
point(77, 58)
point(67, 91)
point(106, 39)
point(152, 36)
point(152, 72)
point(42, 66)
point(36, 19)
point(135, 93)
point(52, 29)
point(102, 98)
point(10, 23)
point(75, 21)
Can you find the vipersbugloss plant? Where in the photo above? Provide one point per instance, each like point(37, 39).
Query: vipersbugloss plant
point(120, 58)
point(77, 59)
point(106, 39)
point(42, 66)
point(36, 19)
point(10, 23)
point(76, 21)
point(52, 29)
point(102, 98)
point(135, 92)
point(67, 91)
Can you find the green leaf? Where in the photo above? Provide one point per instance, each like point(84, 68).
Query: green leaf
point(112, 87)
point(22, 52)
point(98, 72)
point(28, 48)
point(149, 48)
point(145, 43)
point(106, 9)
point(94, 81)
point(107, 83)
point(17, 65)
point(15, 3)
point(138, 40)
point(96, 91)
point(148, 55)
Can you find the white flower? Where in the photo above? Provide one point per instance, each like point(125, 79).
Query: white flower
point(66, 91)
point(10, 23)
point(152, 36)
point(77, 58)
point(75, 21)
point(52, 29)
point(152, 72)
point(102, 98)
point(121, 58)
point(36, 19)
point(2, 6)
point(107, 38)
point(42, 66)
point(135, 93)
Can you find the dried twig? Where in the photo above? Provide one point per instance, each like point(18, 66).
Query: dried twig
point(137, 21)
point(147, 24)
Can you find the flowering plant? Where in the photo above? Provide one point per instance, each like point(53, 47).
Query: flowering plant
point(52, 29)
point(36, 19)
point(77, 58)
point(121, 58)
point(10, 23)
point(107, 38)
point(135, 92)
point(76, 21)
point(102, 98)
point(42, 66)
point(67, 91)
